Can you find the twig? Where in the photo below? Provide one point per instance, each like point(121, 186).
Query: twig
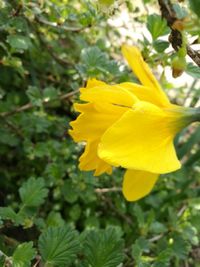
point(175, 37)
point(38, 259)
point(106, 190)
point(181, 211)
point(57, 26)
point(155, 238)
point(30, 105)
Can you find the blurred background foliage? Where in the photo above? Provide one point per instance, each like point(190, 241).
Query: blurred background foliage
point(51, 213)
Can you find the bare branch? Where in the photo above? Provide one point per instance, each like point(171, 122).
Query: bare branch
point(30, 105)
point(107, 190)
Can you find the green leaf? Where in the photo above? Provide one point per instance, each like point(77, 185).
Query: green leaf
point(69, 191)
point(193, 70)
point(180, 246)
point(160, 45)
point(33, 192)
point(103, 248)
point(157, 26)
point(50, 93)
point(18, 42)
point(58, 245)
point(96, 62)
point(139, 215)
point(23, 255)
point(35, 96)
point(7, 213)
point(194, 4)
point(157, 227)
point(163, 258)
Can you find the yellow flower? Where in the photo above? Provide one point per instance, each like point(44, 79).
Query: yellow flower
point(129, 125)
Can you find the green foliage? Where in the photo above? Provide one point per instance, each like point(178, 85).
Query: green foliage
point(23, 255)
point(95, 63)
point(193, 70)
point(33, 192)
point(157, 26)
point(103, 248)
point(58, 246)
point(51, 213)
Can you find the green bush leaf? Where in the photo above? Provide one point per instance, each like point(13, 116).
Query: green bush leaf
point(58, 245)
point(18, 42)
point(95, 62)
point(157, 26)
point(160, 45)
point(7, 213)
point(103, 248)
point(33, 192)
point(34, 95)
point(193, 70)
point(23, 255)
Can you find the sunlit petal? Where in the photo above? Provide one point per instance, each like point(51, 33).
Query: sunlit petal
point(143, 72)
point(142, 139)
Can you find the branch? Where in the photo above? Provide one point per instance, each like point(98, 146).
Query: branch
point(57, 26)
point(175, 37)
point(30, 105)
point(106, 190)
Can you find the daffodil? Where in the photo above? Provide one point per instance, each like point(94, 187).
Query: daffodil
point(130, 125)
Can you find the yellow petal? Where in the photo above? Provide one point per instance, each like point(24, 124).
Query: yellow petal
point(137, 184)
point(94, 82)
point(90, 161)
point(113, 94)
point(142, 139)
point(143, 72)
point(90, 125)
point(94, 120)
point(144, 93)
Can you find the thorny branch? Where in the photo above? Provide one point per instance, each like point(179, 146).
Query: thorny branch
point(175, 37)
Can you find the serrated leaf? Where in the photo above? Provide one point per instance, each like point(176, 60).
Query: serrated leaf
point(157, 26)
point(163, 258)
point(103, 248)
point(193, 70)
point(95, 62)
point(180, 247)
point(33, 192)
point(18, 42)
point(8, 213)
point(23, 255)
point(58, 245)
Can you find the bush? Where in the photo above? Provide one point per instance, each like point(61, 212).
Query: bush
point(52, 214)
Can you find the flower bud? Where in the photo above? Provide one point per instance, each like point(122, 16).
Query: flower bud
point(178, 66)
